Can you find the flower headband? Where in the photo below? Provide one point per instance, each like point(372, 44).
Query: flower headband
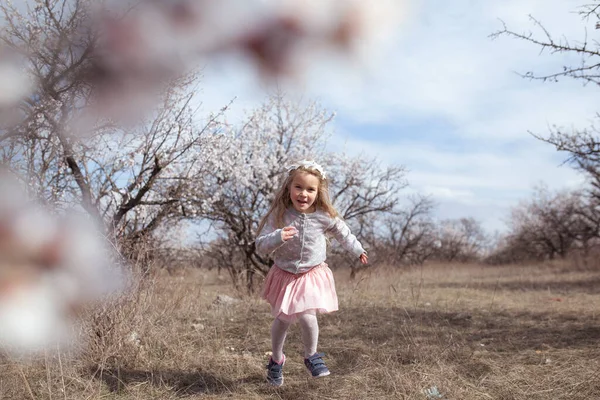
point(308, 164)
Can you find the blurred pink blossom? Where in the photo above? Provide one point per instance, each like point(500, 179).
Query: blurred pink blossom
point(50, 266)
point(158, 40)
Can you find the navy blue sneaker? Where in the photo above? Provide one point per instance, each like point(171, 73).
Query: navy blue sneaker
point(275, 372)
point(316, 366)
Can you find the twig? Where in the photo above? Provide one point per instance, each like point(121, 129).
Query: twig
point(26, 382)
point(494, 293)
point(48, 374)
point(62, 375)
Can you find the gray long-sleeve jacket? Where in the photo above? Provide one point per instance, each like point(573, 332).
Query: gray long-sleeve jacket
point(308, 248)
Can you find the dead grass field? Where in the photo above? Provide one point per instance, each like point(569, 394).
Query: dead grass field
point(473, 332)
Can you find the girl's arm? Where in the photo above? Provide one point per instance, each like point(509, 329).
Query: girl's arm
point(342, 234)
point(270, 238)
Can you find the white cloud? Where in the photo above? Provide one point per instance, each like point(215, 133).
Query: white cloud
point(446, 64)
point(510, 114)
point(484, 184)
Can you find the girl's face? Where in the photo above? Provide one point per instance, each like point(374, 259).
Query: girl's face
point(303, 192)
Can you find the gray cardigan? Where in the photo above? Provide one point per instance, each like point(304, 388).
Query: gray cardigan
point(308, 248)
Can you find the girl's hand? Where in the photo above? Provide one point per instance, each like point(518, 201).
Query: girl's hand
point(364, 258)
point(288, 232)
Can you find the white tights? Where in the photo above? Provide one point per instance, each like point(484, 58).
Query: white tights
point(309, 327)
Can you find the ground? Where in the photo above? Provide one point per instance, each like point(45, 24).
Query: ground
point(433, 332)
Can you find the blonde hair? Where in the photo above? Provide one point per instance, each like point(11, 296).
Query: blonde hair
point(283, 200)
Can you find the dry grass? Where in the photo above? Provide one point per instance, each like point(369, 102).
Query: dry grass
point(473, 332)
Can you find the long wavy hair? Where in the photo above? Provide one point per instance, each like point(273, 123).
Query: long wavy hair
point(283, 200)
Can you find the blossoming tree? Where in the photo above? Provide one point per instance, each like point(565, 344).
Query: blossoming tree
point(234, 189)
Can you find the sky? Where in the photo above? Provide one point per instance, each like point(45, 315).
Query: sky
point(446, 101)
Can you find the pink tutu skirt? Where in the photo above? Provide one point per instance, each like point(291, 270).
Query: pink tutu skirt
point(291, 294)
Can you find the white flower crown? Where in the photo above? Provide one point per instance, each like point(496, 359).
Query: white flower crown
point(308, 164)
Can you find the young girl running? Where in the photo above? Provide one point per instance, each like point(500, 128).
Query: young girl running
point(300, 284)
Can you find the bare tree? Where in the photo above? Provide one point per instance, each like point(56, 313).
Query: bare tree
point(581, 146)
point(405, 236)
point(547, 226)
point(460, 240)
point(588, 51)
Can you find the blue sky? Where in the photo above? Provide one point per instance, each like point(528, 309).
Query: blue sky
point(445, 100)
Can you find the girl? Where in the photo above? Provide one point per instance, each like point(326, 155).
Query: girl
point(300, 284)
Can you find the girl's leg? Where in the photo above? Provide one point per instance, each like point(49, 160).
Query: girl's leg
point(278, 334)
point(310, 336)
point(310, 331)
